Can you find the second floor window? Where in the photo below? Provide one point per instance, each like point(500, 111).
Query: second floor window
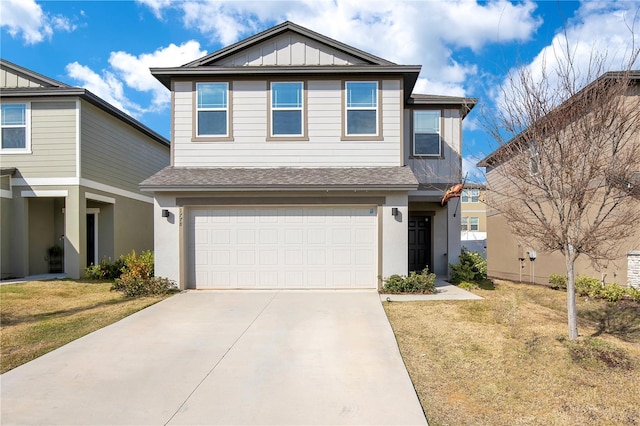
point(474, 223)
point(362, 108)
point(426, 133)
point(14, 127)
point(287, 109)
point(212, 109)
point(470, 195)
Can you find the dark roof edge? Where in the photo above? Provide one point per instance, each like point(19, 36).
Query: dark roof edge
point(466, 103)
point(279, 29)
point(7, 171)
point(32, 74)
point(91, 98)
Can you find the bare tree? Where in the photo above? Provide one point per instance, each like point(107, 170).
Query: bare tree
point(566, 174)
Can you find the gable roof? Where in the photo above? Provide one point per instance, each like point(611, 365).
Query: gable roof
point(369, 65)
point(495, 157)
point(54, 88)
point(281, 29)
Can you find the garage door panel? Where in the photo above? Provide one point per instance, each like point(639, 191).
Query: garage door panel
point(283, 247)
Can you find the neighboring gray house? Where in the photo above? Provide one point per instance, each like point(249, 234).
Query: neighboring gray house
point(70, 165)
point(300, 162)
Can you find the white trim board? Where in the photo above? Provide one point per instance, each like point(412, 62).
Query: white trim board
point(71, 181)
point(45, 193)
point(98, 197)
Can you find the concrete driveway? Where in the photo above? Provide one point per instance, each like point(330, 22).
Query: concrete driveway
point(273, 357)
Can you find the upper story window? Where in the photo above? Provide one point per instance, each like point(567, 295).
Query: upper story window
point(464, 223)
point(287, 109)
point(212, 109)
point(426, 133)
point(361, 108)
point(15, 128)
point(474, 223)
point(470, 195)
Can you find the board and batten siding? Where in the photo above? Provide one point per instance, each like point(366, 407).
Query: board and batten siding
point(324, 147)
point(447, 168)
point(11, 80)
point(53, 142)
point(290, 49)
point(115, 153)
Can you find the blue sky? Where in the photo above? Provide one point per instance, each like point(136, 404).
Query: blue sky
point(466, 48)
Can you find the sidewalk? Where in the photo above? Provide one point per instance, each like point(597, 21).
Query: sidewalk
point(42, 277)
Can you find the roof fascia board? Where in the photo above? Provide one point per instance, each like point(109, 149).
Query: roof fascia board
point(280, 29)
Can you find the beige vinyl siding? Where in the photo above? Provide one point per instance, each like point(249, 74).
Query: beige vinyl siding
point(53, 142)
point(116, 154)
point(446, 169)
point(11, 80)
point(250, 147)
point(290, 49)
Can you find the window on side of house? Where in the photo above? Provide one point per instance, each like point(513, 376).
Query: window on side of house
point(212, 109)
point(475, 223)
point(361, 108)
point(464, 221)
point(426, 133)
point(15, 129)
point(287, 109)
point(470, 195)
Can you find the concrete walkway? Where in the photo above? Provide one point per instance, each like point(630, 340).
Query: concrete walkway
point(225, 357)
point(42, 277)
point(444, 291)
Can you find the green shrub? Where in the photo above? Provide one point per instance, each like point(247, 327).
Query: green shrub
point(466, 285)
point(105, 270)
point(613, 292)
point(558, 282)
point(471, 267)
point(588, 286)
point(137, 277)
point(422, 282)
point(633, 293)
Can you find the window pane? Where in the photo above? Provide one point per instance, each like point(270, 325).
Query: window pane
point(426, 121)
point(474, 223)
point(465, 223)
point(287, 122)
point(426, 144)
point(212, 95)
point(361, 122)
point(13, 114)
point(362, 94)
point(212, 122)
point(286, 95)
point(14, 137)
point(465, 196)
point(475, 195)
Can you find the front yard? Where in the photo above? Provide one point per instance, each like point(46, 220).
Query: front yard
point(504, 360)
point(40, 316)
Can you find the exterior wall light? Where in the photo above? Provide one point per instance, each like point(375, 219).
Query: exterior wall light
point(165, 213)
point(394, 211)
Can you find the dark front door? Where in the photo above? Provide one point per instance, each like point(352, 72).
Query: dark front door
point(91, 239)
point(419, 243)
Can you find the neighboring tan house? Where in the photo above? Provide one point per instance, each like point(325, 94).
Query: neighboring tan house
point(509, 258)
point(300, 162)
point(70, 168)
point(474, 218)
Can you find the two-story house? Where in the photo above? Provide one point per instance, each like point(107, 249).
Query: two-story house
point(473, 212)
point(70, 165)
point(300, 162)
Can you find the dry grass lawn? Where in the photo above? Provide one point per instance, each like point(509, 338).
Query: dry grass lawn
point(40, 316)
point(505, 360)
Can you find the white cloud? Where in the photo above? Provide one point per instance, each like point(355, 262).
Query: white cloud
point(406, 32)
point(134, 70)
point(26, 18)
point(130, 71)
point(472, 172)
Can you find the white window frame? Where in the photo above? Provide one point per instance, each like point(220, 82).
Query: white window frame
point(348, 108)
point(464, 223)
point(301, 109)
point(225, 109)
point(439, 132)
point(473, 219)
point(27, 132)
point(470, 195)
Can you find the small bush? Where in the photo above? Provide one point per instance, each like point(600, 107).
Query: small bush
point(633, 293)
point(137, 277)
point(613, 293)
point(467, 285)
point(105, 270)
point(558, 282)
point(588, 286)
point(471, 267)
point(422, 282)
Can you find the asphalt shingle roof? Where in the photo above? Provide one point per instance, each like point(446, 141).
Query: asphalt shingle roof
point(189, 178)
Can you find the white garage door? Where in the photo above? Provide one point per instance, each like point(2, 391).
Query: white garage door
point(283, 247)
